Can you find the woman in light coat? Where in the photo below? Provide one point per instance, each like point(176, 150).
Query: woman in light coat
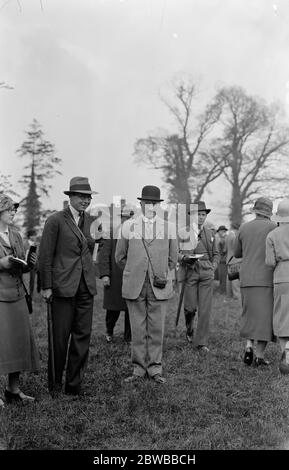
point(256, 282)
point(277, 256)
point(17, 348)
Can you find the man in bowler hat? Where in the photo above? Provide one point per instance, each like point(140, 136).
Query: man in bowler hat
point(147, 251)
point(199, 279)
point(68, 280)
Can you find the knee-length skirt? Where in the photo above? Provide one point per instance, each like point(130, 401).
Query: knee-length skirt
point(257, 315)
point(18, 351)
point(281, 309)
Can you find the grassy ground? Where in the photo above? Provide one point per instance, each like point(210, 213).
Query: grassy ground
point(212, 402)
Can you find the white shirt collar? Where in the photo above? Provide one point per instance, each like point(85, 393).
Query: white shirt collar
point(74, 212)
point(148, 221)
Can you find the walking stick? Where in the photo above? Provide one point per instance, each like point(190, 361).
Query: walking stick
point(50, 345)
point(181, 295)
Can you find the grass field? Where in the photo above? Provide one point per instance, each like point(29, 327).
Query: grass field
point(211, 402)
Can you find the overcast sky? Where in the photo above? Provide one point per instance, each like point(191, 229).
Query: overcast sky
point(90, 71)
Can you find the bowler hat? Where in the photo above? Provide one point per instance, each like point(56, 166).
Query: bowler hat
point(282, 214)
point(263, 206)
point(6, 203)
point(79, 184)
point(201, 207)
point(150, 193)
point(222, 227)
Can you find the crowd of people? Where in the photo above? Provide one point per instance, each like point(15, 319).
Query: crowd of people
point(140, 263)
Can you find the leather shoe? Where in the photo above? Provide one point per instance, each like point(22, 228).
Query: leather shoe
point(20, 397)
point(284, 365)
point(248, 356)
point(158, 378)
point(203, 349)
point(68, 390)
point(108, 338)
point(260, 361)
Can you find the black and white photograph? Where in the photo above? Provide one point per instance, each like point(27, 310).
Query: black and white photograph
point(144, 229)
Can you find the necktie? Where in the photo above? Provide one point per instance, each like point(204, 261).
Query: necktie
point(81, 220)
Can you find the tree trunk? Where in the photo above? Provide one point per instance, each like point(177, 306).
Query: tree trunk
point(236, 205)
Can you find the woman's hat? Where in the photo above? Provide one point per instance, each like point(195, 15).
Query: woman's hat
point(263, 206)
point(150, 193)
point(79, 184)
point(222, 227)
point(201, 207)
point(6, 203)
point(282, 214)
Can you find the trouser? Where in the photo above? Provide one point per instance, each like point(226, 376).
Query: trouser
point(222, 277)
point(233, 288)
point(71, 319)
point(111, 319)
point(147, 320)
point(198, 297)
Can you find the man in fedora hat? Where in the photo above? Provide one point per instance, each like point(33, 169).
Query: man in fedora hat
point(68, 280)
point(147, 252)
point(111, 274)
point(199, 278)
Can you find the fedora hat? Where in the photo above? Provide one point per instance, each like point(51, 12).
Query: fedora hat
point(201, 207)
point(150, 193)
point(79, 184)
point(6, 203)
point(263, 206)
point(282, 214)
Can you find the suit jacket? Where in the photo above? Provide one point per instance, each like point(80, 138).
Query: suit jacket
point(65, 253)
point(277, 253)
point(250, 245)
point(205, 244)
point(11, 288)
point(131, 255)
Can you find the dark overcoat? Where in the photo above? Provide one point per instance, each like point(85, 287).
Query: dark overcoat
point(112, 296)
point(66, 253)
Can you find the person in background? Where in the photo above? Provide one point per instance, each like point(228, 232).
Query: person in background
point(277, 257)
point(147, 251)
point(68, 279)
point(256, 281)
point(222, 268)
point(199, 281)
point(233, 287)
point(111, 274)
point(18, 352)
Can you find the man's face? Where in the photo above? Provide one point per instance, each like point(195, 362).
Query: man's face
point(80, 201)
point(149, 208)
point(202, 215)
point(222, 233)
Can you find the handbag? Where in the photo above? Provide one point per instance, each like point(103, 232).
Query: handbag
point(158, 281)
point(233, 268)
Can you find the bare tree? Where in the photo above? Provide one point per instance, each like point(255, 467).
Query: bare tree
point(187, 165)
point(252, 144)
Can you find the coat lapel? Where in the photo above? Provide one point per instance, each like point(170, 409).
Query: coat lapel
point(70, 222)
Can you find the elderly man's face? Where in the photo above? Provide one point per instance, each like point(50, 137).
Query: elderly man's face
point(80, 201)
point(149, 208)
